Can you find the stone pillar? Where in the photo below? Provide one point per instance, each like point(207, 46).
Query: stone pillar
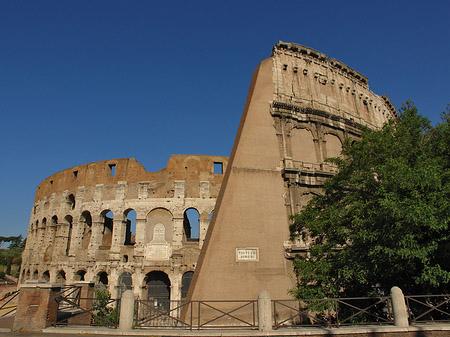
point(177, 237)
point(37, 306)
point(96, 238)
point(76, 239)
point(140, 234)
point(203, 227)
point(126, 311)
point(264, 311)
point(175, 285)
point(86, 301)
point(399, 308)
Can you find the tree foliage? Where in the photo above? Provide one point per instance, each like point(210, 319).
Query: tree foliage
point(13, 253)
point(383, 219)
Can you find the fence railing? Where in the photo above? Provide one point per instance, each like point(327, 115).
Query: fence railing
point(195, 314)
point(428, 308)
point(76, 310)
point(332, 312)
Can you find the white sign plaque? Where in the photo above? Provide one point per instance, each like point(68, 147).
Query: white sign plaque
point(247, 254)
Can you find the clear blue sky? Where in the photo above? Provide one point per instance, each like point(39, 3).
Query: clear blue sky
point(83, 81)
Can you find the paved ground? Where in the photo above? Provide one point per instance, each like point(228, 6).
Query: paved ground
point(438, 331)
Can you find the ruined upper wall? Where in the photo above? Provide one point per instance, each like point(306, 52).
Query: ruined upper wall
point(309, 79)
point(189, 168)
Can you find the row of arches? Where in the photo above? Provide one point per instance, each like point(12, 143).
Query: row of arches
point(156, 284)
point(303, 146)
point(47, 232)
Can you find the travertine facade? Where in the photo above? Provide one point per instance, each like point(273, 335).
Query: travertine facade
point(300, 107)
point(80, 226)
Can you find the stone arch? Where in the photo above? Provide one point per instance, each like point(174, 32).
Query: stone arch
point(61, 276)
point(108, 224)
point(86, 223)
point(191, 224)
point(130, 231)
point(124, 283)
point(302, 146)
point(80, 275)
point(185, 283)
point(158, 288)
point(69, 221)
point(101, 279)
point(158, 216)
point(46, 276)
point(71, 201)
point(35, 275)
point(333, 145)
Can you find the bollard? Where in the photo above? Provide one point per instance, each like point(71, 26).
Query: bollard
point(264, 311)
point(126, 311)
point(399, 308)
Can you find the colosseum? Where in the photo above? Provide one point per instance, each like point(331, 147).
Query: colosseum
point(116, 224)
point(300, 108)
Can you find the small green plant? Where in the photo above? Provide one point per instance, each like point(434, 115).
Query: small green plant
point(103, 309)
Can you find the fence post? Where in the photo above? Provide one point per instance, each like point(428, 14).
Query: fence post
point(399, 308)
point(126, 311)
point(264, 311)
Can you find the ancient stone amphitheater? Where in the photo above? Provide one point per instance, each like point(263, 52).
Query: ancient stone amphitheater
point(300, 108)
point(81, 226)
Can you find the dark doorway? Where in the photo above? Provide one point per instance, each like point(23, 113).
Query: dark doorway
point(158, 286)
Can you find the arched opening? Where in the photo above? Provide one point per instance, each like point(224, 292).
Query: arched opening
point(27, 277)
point(35, 275)
point(333, 146)
point(108, 217)
point(158, 289)
point(86, 221)
point(191, 224)
point(302, 145)
point(156, 217)
point(185, 283)
point(46, 276)
point(124, 283)
point(69, 220)
point(102, 279)
point(79, 276)
point(61, 276)
point(71, 201)
point(130, 233)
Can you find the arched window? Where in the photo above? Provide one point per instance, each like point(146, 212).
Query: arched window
point(86, 220)
point(71, 201)
point(102, 279)
point(185, 283)
point(130, 234)
point(191, 224)
point(80, 275)
point(108, 217)
point(61, 276)
point(69, 219)
point(46, 275)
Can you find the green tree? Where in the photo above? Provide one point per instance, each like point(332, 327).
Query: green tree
point(383, 219)
point(13, 253)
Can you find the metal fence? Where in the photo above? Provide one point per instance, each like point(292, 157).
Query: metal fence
point(195, 314)
point(428, 308)
point(76, 310)
point(332, 312)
